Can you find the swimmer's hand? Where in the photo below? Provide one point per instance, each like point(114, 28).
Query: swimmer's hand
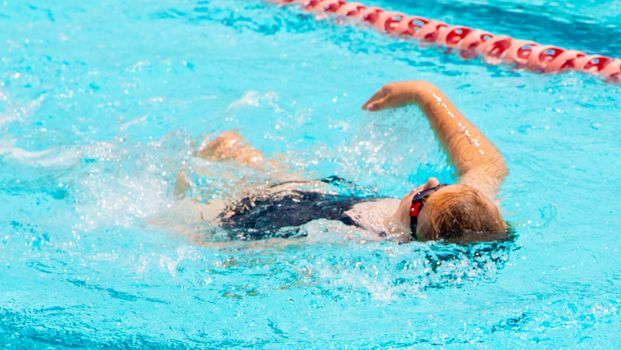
point(231, 145)
point(394, 95)
point(477, 161)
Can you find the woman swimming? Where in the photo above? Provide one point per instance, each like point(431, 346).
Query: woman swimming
point(463, 212)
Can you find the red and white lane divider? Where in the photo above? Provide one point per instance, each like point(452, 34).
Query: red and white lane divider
point(470, 42)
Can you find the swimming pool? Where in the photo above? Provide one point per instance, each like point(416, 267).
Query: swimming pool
point(100, 104)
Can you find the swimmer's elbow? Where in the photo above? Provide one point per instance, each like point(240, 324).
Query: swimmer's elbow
point(505, 170)
point(487, 176)
point(501, 170)
point(497, 169)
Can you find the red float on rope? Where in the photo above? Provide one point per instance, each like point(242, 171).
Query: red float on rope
point(470, 42)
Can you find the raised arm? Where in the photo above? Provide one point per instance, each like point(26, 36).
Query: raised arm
point(478, 162)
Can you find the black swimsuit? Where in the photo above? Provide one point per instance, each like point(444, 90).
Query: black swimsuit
point(281, 214)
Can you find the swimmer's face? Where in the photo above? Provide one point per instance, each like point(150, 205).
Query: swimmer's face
point(403, 213)
point(423, 218)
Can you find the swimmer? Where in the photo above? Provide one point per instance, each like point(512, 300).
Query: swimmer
point(466, 211)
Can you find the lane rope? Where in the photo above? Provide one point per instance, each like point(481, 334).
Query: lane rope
point(469, 42)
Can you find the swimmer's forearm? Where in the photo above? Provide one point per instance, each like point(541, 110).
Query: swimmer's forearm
point(474, 155)
point(477, 160)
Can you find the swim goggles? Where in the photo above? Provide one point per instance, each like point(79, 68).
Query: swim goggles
point(418, 201)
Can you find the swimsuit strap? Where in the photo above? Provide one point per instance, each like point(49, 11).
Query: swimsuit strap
point(281, 215)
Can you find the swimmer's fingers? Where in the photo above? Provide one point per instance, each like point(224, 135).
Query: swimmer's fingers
point(386, 97)
point(380, 95)
point(392, 95)
point(380, 104)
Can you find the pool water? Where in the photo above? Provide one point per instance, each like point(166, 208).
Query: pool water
point(102, 103)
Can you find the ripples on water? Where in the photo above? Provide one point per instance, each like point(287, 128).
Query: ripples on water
point(100, 105)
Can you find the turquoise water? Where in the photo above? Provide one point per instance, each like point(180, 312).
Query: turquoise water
point(100, 104)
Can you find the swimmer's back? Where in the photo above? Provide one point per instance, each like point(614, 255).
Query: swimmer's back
point(280, 211)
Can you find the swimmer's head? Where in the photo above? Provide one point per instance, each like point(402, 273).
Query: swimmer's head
point(453, 212)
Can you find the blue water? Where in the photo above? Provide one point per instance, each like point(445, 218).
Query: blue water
point(101, 104)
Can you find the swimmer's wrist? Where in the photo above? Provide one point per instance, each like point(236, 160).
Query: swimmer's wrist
point(419, 89)
point(422, 91)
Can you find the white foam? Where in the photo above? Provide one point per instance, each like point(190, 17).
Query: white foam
point(255, 99)
point(43, 158)
point(16, 112)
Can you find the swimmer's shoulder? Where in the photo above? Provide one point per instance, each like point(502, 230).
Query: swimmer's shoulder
point(374, 215)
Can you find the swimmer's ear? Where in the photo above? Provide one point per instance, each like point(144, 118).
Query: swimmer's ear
point(433, 181)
